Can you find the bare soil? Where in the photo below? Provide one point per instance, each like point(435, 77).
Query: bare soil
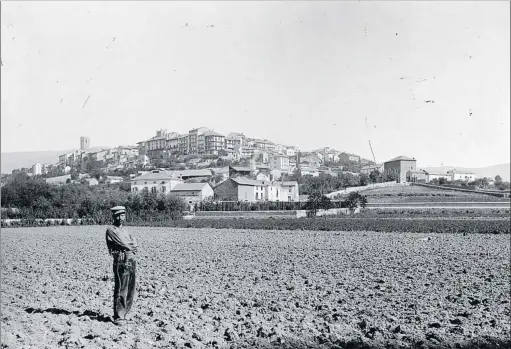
point(265, 289)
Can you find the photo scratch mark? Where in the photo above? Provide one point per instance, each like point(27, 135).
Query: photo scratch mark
point(86, 101)
point(108, 46)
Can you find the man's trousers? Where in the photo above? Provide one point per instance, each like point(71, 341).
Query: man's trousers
point(124, 291)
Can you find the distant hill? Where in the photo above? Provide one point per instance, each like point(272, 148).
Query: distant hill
point(502, 170)
point(11, 161)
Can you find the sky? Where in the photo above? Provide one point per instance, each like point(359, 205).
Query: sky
point(311, 74)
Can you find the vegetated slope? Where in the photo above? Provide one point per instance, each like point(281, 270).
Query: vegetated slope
point(413, 193)
point(218, 288)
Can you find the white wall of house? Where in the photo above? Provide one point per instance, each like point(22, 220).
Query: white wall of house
point(37, 169)
point(154, 186)
point(430, 177)
point(246, 193)
point(291, 193)
point(261, 176)
point(280, 163)
point(462, 176)
point(305, 172)
point(193, 196)
point(274, 192)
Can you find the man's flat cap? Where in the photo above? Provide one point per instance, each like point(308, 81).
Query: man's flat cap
point(118, 209)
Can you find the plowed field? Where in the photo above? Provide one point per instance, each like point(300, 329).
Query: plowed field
point(243, 289)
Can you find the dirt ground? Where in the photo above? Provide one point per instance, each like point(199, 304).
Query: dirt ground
point(264, 289)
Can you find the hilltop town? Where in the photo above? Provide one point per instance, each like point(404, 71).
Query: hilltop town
point(199, 148)
point(204, 164)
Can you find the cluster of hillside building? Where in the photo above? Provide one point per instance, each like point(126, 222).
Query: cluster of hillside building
point(407, 170)
point(235, 184)
point(197, 148)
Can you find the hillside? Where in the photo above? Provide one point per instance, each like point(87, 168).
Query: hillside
point(11, 161)
point(491, 171)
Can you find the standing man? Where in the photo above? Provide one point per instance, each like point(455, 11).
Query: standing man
point(122, 247)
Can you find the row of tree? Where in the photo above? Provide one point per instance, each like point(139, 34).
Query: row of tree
point(34, 198)
point(326, 183)
point(481, 183)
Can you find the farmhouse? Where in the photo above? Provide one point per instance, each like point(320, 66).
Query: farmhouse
point(192, 192)
point(188, 174)
point(401, 165)
point(436, 175)
point(306, 170)
point(370, 168)
point(244, 189)
point(417, 176)
point(461, 176)
point(113, 179)
point(155, 182)
point(239, 171)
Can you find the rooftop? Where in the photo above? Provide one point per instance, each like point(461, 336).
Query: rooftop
point(189, 186)
point(402, 158)
point(288, 183)
point(213, 133)
point(163, 175)
point(251, 182)
point(241, 169)
point(192, 173)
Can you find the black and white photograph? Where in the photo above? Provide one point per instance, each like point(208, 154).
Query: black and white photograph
point(255, 174)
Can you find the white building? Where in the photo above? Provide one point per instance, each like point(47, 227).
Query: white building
point(193, 192)
point(306, 170)
point(37, 169)
point(370, 168)
point(280, 162)
point(461, 176)
point(243, 189)
point(436, 175)
point(154, 182)
point(113, 179)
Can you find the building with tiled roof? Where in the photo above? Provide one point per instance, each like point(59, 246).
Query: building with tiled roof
point(400, 165)
point(251, 190)
point(158, 182)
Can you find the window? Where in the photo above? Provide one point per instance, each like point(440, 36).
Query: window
point(153, 189)
point(257, 196)
point(290, 190)
point(163, 189)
